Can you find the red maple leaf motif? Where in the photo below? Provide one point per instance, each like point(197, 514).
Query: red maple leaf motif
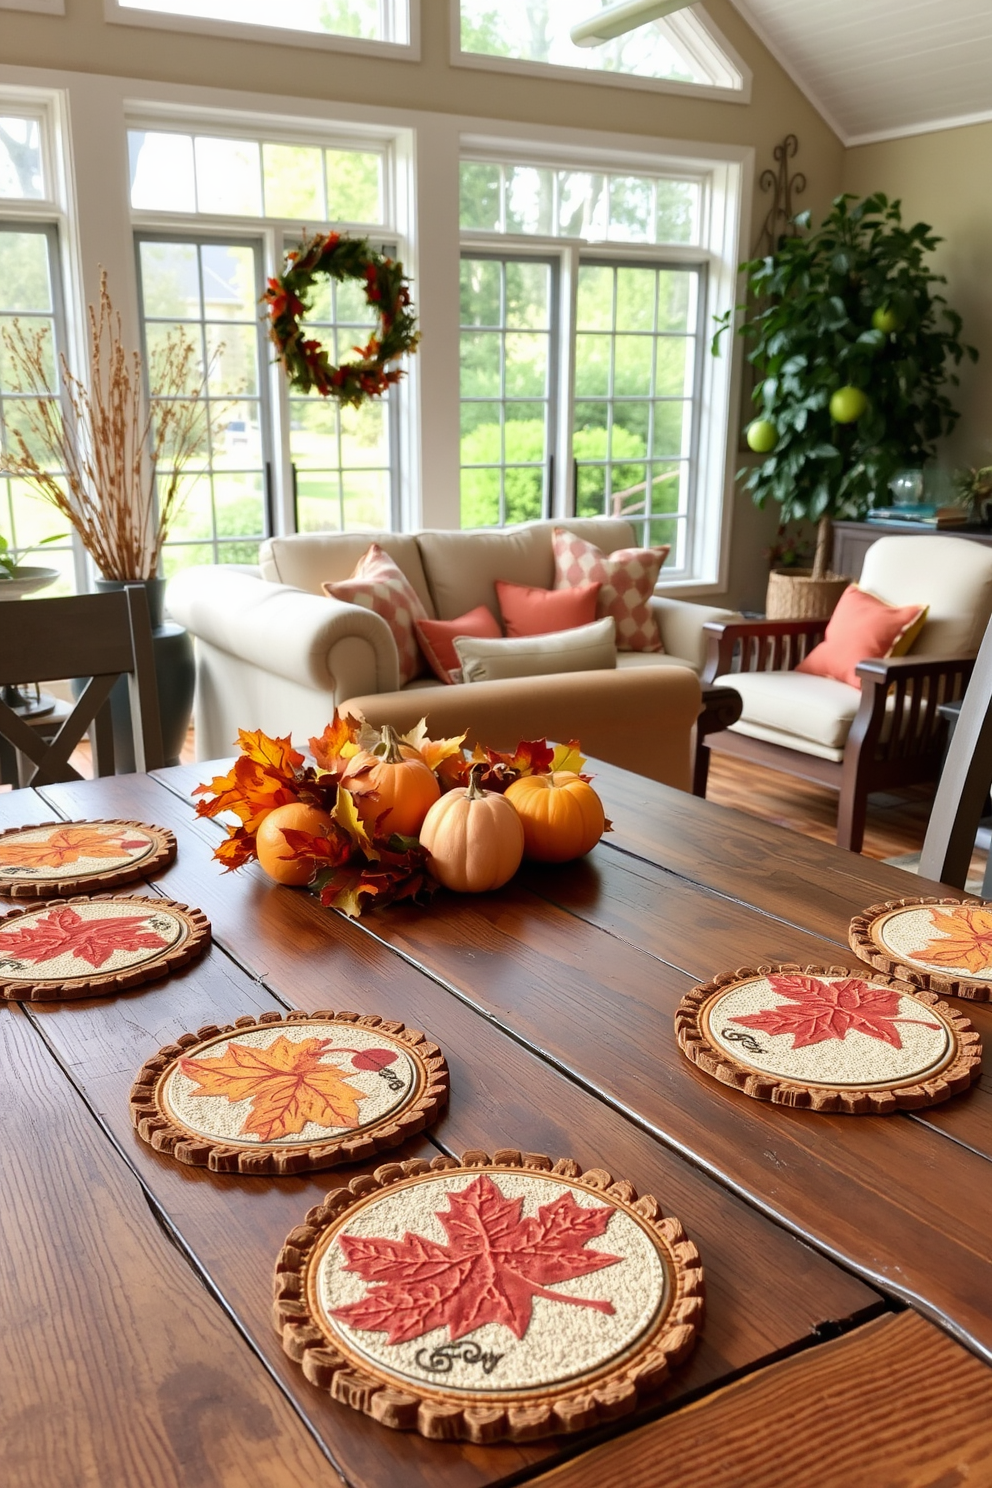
point(830, 1010)
point(490, 1271)
point(64, 932)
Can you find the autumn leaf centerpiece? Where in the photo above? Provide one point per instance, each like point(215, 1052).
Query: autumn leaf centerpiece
point(350, 820)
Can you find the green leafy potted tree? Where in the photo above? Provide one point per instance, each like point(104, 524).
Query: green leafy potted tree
point(853, 348)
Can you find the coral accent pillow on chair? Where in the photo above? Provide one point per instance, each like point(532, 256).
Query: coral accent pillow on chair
point(861, 627)
point(437, 638)
point(531, 612)
point(626, 579)
point(379, 584)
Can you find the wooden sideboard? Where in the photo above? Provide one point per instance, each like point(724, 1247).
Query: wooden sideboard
point(853, 539)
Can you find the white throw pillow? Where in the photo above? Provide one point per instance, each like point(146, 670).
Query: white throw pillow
point(587, 648)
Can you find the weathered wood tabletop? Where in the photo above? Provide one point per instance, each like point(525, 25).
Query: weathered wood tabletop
point(138, 1346)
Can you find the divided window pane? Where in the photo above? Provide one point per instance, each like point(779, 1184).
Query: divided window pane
point(508, 315)
point(367, 20)
point(517, 198)
point(223, 176)
point(29, 276)
point(208, 291)
point(21, 166)
point(636, 353)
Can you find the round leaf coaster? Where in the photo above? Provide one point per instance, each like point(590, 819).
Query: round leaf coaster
point(284, 1095)
point(488, 1298)
point(825, 1038)
point(943, 945)
point(75, 857)
point(94, 947)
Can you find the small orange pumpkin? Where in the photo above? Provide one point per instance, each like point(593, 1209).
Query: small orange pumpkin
point(405, 786)
point(273, 850)
point(562, 815)
point(475, 839)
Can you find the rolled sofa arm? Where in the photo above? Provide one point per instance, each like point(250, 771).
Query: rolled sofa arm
point(681, 624)
point(316, 642)
point(641, 718)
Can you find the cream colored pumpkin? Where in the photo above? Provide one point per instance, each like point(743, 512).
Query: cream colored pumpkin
point(475, 839)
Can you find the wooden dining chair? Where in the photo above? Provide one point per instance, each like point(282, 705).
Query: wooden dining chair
point(100, 637)
point(963, 789)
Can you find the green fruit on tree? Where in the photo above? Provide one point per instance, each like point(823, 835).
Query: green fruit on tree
point(762, 436)
point(847, 405)
point(885, 319)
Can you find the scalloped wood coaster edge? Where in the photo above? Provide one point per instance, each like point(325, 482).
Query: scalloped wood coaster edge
point(156, 1125)
point(160, 857)
point(103, 984)
point(956, 1075)
point(862, 944)
point(521, 1415)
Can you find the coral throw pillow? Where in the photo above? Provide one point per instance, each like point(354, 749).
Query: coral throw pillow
point(862, 626)
point(437, 638)
point(626, 579)
point(528, 611)
point(378, 584)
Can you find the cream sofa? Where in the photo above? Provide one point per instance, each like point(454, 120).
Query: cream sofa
point(273, 652)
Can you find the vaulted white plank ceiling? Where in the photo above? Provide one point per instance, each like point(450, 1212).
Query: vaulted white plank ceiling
point(883, 67)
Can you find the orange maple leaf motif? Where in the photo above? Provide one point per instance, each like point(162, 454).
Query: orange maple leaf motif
point(67, 845)
point(494, 1265)
point(820, 1011)
point(966, 940)
point(289, 1084)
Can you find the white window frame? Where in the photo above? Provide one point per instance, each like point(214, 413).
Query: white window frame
point(724, 198)
point(397, 51)
point(693, 33)
point(273, 233)
point(55, 212)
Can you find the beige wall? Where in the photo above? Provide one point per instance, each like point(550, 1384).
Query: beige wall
point(82, 41)
point(945, 179)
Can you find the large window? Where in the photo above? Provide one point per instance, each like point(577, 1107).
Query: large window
point(679, 48)
point(375, 21)
point(274, 460)
point(589, 355)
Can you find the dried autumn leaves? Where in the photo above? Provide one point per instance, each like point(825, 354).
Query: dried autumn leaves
point(358, 859)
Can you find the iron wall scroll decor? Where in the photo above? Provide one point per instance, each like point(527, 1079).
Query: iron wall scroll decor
point(780, 219)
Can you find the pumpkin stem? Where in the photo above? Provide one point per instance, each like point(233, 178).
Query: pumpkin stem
point(390, 745)
point(475, 791)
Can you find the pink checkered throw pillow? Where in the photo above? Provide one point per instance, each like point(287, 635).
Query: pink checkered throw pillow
point(380, 585)
point(627, 579)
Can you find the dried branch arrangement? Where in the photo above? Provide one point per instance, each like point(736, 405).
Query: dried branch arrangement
point(109, 442)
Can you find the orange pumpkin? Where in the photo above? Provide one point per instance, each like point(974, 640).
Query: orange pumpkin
point(562, 815)
point(273, 850)
point(475, 839)
point(405, 786)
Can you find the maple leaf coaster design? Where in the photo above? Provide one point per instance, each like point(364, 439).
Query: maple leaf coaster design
point(824, 1038)
point(486, 1298)
point(285, 1094)
point(65, 857)
point(494, 1264)
point(80, 947)
point(821, 1010)
point(941, 944)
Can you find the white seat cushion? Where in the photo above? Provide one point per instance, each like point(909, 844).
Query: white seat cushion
point(812, 714)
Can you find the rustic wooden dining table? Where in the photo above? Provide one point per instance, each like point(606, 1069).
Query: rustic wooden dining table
point(848, 1260)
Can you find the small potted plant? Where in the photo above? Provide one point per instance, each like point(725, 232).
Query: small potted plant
point(853, 349)
point(111, 458)
point(974, 486)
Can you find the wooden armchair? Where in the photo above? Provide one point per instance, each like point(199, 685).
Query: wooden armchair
point(889, 733)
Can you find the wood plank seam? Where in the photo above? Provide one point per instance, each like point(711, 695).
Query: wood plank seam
point(176, 1239)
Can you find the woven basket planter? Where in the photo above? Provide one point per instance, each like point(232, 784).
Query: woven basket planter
point(793, 594)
